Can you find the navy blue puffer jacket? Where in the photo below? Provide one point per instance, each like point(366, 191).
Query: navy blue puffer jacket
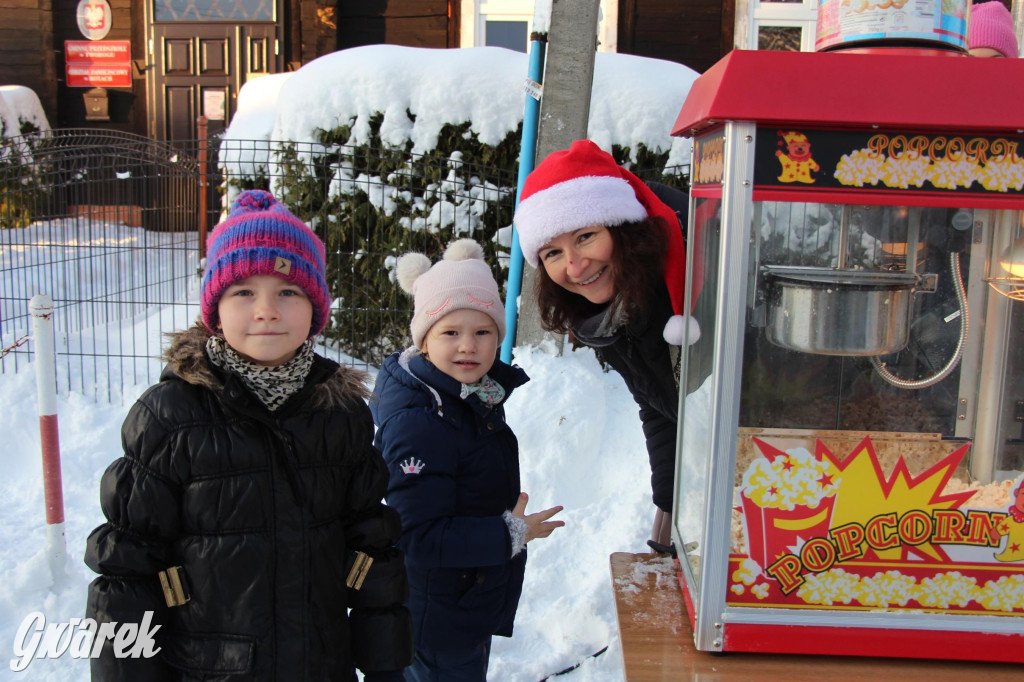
point(454, 470)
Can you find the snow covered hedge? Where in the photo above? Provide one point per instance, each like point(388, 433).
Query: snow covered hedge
point(20, 114)
point(385, 149)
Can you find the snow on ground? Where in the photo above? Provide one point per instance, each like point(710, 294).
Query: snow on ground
point(581, 447)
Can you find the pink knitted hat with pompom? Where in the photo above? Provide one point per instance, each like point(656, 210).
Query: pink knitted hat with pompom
point(462, 279)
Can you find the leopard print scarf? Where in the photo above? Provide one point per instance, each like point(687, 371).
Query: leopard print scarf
point(272, 385)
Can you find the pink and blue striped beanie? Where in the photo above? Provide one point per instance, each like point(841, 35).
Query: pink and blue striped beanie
point(262, 237)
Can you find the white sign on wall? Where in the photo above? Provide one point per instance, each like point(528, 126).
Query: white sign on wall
point(94, 18)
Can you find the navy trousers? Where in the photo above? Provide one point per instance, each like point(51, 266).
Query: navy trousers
point(451, 665)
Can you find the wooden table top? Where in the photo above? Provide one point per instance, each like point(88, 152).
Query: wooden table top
point(657, 643)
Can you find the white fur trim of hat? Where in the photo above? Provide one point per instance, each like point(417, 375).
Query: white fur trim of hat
point(680, 328)
point(571, 205)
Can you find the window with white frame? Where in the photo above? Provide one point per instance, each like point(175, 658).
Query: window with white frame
point(785, 25)
point(509, 23)
point(497, 23)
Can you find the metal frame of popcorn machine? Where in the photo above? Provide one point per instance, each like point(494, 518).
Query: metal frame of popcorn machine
point(850, 452)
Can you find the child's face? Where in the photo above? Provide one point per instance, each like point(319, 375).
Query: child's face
point(462, 344)
point(265, 318)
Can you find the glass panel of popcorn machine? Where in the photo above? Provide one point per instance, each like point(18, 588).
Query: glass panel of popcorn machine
point(691, 503)
point(893, 322)
point(1006, 277)
point(864, 346)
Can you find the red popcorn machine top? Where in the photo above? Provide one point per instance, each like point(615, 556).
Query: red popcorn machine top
point(850, 467)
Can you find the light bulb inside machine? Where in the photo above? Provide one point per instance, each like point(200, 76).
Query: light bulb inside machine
point(1012, 260)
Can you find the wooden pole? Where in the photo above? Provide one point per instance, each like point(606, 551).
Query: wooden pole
point(204, 181)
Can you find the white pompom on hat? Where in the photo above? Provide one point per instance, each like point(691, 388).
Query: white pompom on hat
point(583, 186)
point(462, 279)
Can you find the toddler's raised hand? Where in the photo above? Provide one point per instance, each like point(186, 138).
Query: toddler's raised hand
point(537, 525)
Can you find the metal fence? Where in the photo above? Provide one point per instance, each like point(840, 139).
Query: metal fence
point(112, 227)
point(101, 222)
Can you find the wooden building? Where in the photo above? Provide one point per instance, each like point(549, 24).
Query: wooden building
point(183, 58)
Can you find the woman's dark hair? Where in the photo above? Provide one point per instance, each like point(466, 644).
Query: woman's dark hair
point(638, 267)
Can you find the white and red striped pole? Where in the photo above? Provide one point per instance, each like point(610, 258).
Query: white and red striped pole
point(41, 307)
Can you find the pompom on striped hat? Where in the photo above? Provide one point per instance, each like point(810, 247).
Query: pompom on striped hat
point(262, 237)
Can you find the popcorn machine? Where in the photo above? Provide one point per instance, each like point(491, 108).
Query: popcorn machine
point(850, 461)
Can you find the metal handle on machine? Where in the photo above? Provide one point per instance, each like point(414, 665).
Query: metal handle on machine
point(961, 298)
point(844, 235)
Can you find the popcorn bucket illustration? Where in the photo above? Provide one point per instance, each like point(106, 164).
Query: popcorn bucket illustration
point(773, 532)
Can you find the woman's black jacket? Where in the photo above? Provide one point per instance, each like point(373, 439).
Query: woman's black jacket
point(641, 355)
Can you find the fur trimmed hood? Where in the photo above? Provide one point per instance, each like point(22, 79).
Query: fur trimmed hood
point(186, 359)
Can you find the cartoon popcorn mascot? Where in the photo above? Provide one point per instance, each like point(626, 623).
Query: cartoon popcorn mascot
point(797, 162)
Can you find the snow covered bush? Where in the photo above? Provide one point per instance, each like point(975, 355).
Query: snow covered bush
point(370, 203)
point(21, 115)
point(385, 149)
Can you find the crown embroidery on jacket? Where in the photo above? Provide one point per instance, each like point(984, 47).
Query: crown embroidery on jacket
point(412, 465)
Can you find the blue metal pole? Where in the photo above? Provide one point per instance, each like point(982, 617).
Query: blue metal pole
point(527, 161)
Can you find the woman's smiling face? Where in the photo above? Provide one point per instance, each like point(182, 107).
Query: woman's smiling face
point(581, 262)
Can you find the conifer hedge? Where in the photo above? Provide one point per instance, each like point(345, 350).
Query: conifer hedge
point(371, 203)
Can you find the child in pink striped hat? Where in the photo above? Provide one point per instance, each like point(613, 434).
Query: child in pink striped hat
point(244, 520)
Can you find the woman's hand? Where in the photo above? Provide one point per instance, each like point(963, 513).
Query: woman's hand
point(537, 525)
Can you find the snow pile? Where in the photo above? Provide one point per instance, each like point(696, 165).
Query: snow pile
point(252, 125)
point(418, 90)
point(20, 105)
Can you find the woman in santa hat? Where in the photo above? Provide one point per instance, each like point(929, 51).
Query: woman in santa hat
point(610, 262)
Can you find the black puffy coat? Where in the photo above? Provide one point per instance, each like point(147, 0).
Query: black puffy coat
point(263, 511)
point(454, 466)
point(639, 353)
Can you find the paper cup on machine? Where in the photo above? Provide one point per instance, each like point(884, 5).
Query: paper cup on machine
point(787, 498)
point(773, 532)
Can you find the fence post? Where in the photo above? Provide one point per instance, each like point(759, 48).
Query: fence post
point(41, 307)
point(201, 124)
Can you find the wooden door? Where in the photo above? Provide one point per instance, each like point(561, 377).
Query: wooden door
point(201, 53)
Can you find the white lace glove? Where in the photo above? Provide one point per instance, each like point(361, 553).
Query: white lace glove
point(516, 531)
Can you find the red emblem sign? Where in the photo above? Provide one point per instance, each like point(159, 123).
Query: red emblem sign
point(94, 18)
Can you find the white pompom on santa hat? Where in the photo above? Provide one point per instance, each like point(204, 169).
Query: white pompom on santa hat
point(583, 186)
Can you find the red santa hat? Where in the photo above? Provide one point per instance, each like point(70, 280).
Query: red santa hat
point(583, 186)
